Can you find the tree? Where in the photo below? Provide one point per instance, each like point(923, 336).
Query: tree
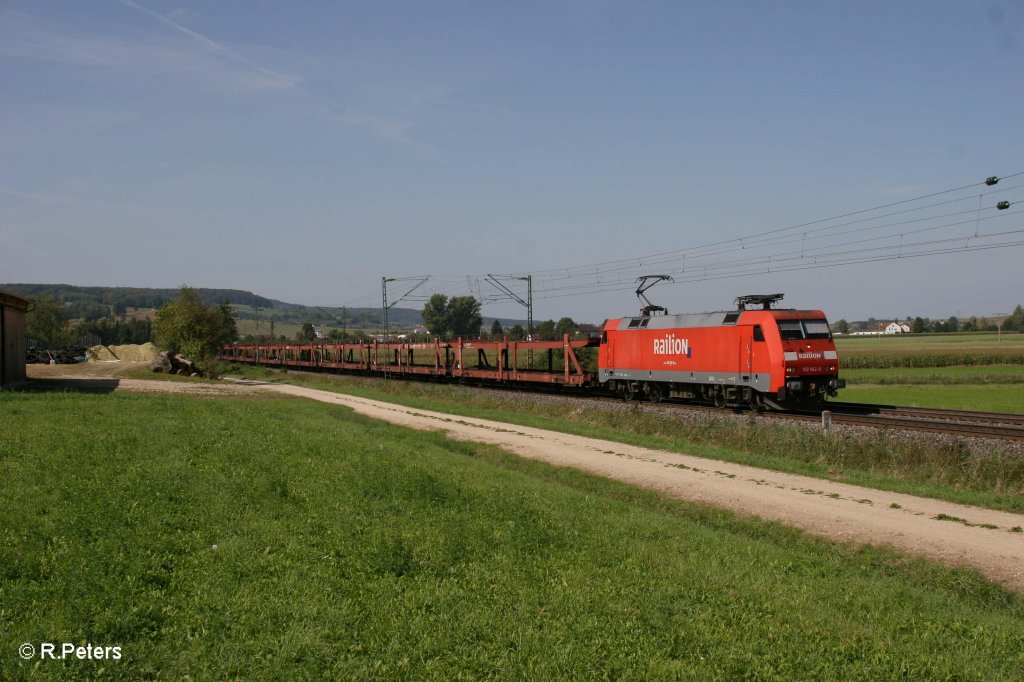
point(841, 327)
point(435, 315)
point(545, 331)
point(464, 316)
point(229, 329)
point(953, 324)
point(496, 331)
point(194, 329)
point(1015, 321)
point(517, 333)
point(919, 326)
point(46, 323)
point(565, 326)
point(307, 333)
point(446, 318)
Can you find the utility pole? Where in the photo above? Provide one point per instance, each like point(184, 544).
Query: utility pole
point(388, 306)
point(999, 327)
point(495, 281)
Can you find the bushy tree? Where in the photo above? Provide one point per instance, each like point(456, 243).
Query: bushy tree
point(565, 326)
point(1015, 321)
point(47, 322)
point(307, 333)
point(517, 333)
point(435, 315)
point(108, 331)
point(459, 316)
point(545, 331)
point(496, 331)
point(841, 327)
point(194, 329)
point(464, 316)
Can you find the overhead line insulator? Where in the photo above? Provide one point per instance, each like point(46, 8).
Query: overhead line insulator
point(991, 181)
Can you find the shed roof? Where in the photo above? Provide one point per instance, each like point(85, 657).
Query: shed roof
point(8, 299)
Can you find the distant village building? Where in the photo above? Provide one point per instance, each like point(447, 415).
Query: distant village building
point(897, 328)
point(883, 328)
point(13, 345)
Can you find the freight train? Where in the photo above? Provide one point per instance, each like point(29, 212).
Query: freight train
point(762, 358)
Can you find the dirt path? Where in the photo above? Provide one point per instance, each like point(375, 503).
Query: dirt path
point(833, 510)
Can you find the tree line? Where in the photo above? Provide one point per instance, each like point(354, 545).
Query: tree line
point(1013, 322)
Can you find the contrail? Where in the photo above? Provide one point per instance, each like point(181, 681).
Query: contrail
point(212, 44)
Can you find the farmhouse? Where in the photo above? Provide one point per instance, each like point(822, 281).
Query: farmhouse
point(12, 339)
point(897, 328)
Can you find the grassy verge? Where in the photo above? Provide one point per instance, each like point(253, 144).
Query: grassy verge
point(227, 538)
point(984, 398)
point(944, 469)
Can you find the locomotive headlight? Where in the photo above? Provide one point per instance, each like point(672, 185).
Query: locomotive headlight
point(789, 370)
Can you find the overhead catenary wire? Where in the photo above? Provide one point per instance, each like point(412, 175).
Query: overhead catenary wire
point(869, 237)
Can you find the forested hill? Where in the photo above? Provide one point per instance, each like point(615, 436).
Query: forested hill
point(97, 302)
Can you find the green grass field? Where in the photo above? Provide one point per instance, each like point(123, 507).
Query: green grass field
point(948, 469)
point(982, 398)
point(285, 539)
point(953, 371)
point(912, 342)
point(964, 374)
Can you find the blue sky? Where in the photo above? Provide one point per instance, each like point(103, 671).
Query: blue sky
point(304, 150)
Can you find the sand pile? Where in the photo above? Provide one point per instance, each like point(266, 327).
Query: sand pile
point(131, 352)
point(100, 354)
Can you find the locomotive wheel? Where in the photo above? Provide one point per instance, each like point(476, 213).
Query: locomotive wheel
point(627, 390)
point(756, 402)
point(720, 398)
point(655, 393)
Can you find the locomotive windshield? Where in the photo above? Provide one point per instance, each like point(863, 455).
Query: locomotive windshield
point(817, 329)
point(795, 330)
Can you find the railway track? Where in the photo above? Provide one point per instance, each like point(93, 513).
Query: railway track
point(993, 425)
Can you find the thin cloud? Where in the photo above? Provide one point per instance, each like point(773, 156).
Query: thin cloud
point(285, 80)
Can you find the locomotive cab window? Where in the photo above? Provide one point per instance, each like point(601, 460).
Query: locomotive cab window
point(791, 330)
point(730, 318)
point(817, 329)
point(758, 333)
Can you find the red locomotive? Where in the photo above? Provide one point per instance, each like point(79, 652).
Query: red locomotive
point(775, 358)
point(762, 358)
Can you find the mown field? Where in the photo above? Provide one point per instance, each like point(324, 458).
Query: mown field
point(957, 470)
point(982, 371)
point(285, 539)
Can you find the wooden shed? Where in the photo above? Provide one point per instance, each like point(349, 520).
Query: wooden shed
point(12, 339)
